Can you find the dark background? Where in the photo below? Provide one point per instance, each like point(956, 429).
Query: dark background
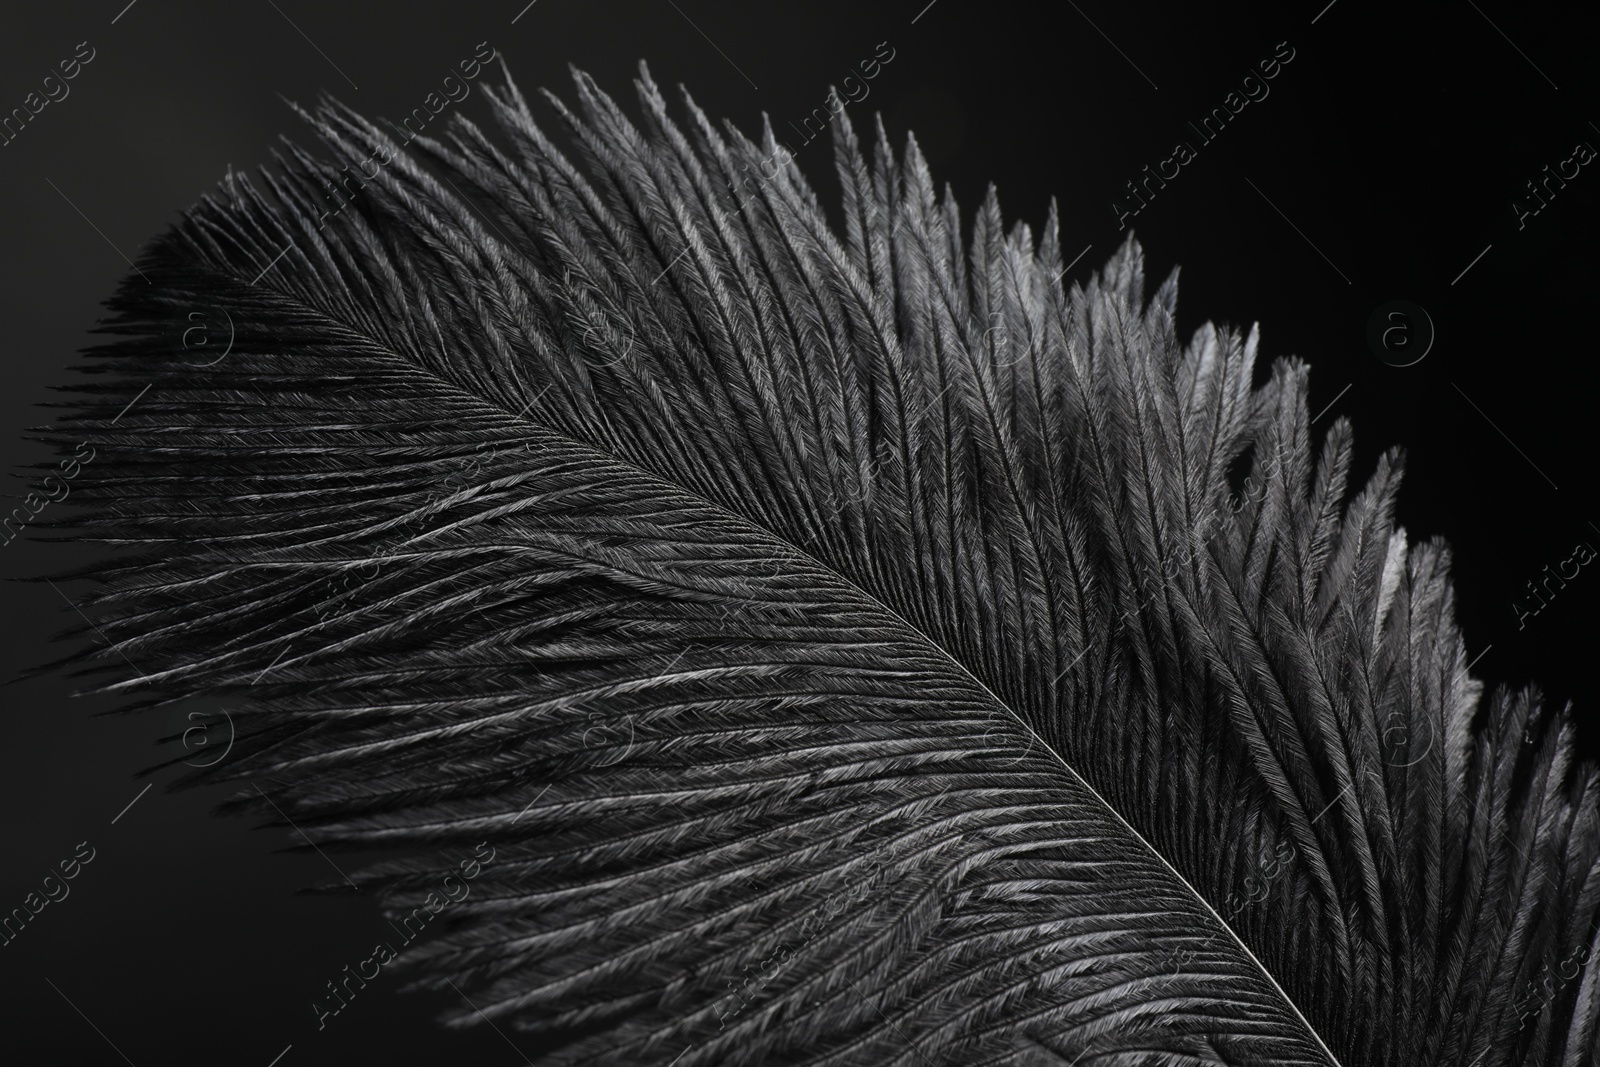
point(1384, 160)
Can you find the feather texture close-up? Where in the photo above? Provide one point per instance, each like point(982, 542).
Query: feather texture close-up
point(821, 632)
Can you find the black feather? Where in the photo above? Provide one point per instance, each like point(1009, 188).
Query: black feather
point(850, 645)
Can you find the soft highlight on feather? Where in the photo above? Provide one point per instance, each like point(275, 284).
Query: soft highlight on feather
point(850, 643)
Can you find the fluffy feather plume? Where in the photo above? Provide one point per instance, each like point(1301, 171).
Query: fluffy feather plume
point(851, 646)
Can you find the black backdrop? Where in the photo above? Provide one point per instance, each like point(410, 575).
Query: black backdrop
point(1382, 164)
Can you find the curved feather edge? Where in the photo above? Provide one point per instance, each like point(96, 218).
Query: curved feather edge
point(850, 648)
